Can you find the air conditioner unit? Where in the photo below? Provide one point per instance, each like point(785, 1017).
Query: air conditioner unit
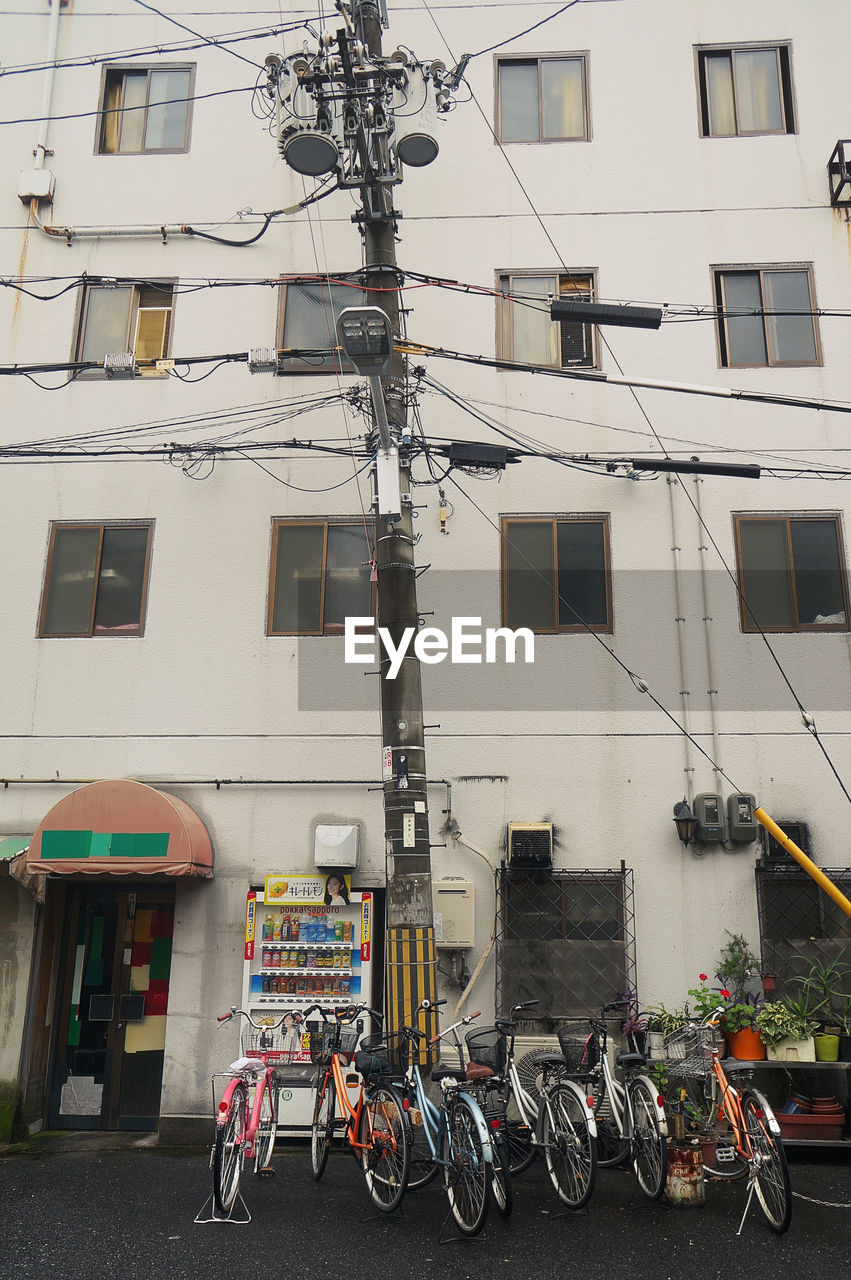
point(798, 832)
point(530, 844)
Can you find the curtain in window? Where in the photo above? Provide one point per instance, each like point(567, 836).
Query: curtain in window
point(165, 127)
point(791, 338)
point(719, 92)
point(518, 102)
point(758, 91)
point(562, 99)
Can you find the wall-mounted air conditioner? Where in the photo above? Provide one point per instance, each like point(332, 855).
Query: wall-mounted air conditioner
point(530, 845)
point(798, 832)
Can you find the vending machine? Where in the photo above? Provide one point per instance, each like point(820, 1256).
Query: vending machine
point(308, 941)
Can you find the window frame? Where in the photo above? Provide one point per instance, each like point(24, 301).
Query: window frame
point(58, 526)
point(131, 327)
point(586, 517)
point(114, 69)
point(785, 80)
point(299, 365)
point(324, 522)
point(515, 279)
point(722, 340)
point(747, 625)
point(579, 55)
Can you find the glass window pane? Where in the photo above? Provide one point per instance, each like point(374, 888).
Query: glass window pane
point(758, 91)
point(151, 333)
point(719, 90)
point(562, 99)
point(106, 322)
point(121, 581)
point(132, 117)
point(167, 110)
point(530, 575)
point(765, 578)
point(818, 576)
point(534, 335)
point(298, 578)
point(581, 574)
point(348, 592)
point(745, 333)
point(790, 338)
point(72, 575)
point(518, 102)
point(310, 317)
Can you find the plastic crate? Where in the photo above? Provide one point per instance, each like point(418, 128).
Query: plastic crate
point(486, 1045)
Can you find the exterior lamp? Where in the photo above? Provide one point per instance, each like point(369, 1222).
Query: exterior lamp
point(839, 175)
point(685, 822)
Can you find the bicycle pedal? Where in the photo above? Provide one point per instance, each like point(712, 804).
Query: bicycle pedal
point(268, 1172)
point(725, 1155)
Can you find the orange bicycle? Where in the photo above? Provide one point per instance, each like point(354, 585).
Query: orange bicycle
point(376, 1127)
point(740, 1120)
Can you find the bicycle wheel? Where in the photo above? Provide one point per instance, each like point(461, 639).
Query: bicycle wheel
point(467, 1175)
point(649, 1145)
point(569, 1148)
point(769, 1169)
point(424, 1168)
point(227, 1153)
point(386, 1158)
point(503, 1193)
point(267, 1127)
point(323, 1124)
point(521, 1149)
point(612, 1148)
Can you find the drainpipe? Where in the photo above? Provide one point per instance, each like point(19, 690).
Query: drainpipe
point(688, 767)
point(47, 95)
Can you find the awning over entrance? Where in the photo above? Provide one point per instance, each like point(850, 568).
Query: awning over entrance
point(13, 852)
point(121, 828)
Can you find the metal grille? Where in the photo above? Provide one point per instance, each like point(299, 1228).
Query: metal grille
point(565, 939)
point(798, 922)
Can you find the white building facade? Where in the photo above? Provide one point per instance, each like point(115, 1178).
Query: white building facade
point(159, 530)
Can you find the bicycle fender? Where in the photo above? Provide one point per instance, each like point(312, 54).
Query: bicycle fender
point(660, 1111)
point(481, 1125)
point(767, 1111)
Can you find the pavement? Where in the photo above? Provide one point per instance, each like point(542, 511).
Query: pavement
point(81, 1206)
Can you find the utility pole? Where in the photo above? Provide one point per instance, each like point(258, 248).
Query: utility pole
point(335, 112)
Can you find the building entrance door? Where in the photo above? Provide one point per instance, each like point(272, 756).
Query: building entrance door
point(114, 999)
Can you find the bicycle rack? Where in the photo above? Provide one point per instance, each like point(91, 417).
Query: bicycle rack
point(229, 1218)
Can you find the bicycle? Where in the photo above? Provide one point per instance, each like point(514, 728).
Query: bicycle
point(629, 1112)
point(247, 1115)
point(376, 1126)
point(454, 1137)
point(555, 1120)
point(708, 1102)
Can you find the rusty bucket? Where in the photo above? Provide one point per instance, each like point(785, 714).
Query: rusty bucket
point(685, 1175)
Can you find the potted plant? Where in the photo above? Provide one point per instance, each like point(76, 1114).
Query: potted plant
point(743, 1039)
point(823, 989)
point(664, 1024)
point(736, 965)
point(705, 1004)
point(845, 1030)
point(786, 1031)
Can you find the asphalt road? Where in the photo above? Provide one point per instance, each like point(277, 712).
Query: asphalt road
point(94, 1214)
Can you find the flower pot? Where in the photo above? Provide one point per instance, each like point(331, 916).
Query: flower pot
point(656, 1044)
point(769, 984)
point(827, 1048)
point(792, 1051)
point(845, 1048)
point(814, 1128)
point(746, 1045)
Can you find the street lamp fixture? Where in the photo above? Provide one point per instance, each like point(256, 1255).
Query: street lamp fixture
point(685, 822)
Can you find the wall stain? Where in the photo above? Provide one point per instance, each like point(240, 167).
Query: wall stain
point(19, 297)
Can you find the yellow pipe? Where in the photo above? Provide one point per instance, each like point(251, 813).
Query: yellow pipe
point(809, 866)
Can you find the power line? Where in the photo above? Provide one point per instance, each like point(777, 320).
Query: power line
point(183, 27)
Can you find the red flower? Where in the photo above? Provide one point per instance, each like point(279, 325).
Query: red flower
point(725, 993)
point(702, 977)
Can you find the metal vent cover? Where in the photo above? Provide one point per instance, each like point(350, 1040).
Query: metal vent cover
point(530, 844)
point(797, 831)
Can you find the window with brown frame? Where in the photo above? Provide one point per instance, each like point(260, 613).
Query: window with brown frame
point(126, 316)
point(320, 575)
point(745, 90)
point(97, 579)
point(527, 335)
point(791, 573)
point(542, 99)
point(145, 110)
point(307, 325)
point(766, 316)
point(556, 573)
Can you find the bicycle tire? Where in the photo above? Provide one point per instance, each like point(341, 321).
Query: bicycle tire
point(570, 1150)
point(267, 1127)
point(424, 1167)
point(386, 1159)
point(501, 1187)
point(521, 1147)
point(228, 1152)
point(770, 1170)
point(322, 1132)
point(612, 1147)
point(467, 1174)
point(648, 1145)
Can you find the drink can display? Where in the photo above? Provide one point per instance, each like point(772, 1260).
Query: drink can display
point(338, 959)
point(276, 928)
point(295, 928)
point(267, 958)
point(338, 931)
point(347, 930)
point(267, 985)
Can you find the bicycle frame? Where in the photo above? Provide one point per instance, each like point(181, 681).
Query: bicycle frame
point(434, 1118)
point(345, 1113)
point(619, 1096)
point(254, 1074)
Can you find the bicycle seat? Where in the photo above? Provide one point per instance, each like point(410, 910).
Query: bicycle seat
point(631, 1059)
point(478, 1071)
point(543, 1059)
point(453, 1073)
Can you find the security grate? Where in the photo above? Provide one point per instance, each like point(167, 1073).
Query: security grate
point(565, 939)
point(798, 922)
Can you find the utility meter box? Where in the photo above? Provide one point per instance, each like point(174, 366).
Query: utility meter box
point(743, 825)
point(336, 846)
point(454, 913)
point(710, 820)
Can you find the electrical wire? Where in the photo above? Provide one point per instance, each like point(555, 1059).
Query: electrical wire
point(106, 111)
point(167, 17)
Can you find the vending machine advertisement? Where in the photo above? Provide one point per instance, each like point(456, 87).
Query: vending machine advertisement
point(307, 942)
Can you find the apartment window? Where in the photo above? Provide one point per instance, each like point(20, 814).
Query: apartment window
point(745, 91)
point(307, 325)
point(527, 335)
point(798, 924)
point(791, 573)
point(96, 580)
point(542, 99)
point(557, 573)
point(320, 576)
point(766, 316)
point(145, 110)
point(126, 317)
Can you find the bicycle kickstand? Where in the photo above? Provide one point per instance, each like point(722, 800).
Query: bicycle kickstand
point(751, 1190)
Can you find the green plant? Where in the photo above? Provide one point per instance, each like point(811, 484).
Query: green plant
point(778, 1021)
point(658, 1073)
point(664, 1020)
point(742, 1015)
point(824, 986)
point(706, 1000)
point(736, 964)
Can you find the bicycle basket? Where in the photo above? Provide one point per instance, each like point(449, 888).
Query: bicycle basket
point(393, 1047)
point(331, 1038)
point(486, 1045)
point(275, 1045)
point(579, 1051)
point(689, 1050)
